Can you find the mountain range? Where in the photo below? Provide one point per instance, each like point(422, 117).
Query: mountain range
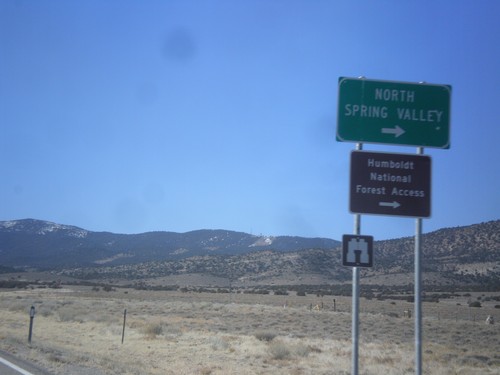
point(41, 244)
point(468, 255)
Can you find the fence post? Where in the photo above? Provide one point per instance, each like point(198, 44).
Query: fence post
point(32, 316)
point(124, 320)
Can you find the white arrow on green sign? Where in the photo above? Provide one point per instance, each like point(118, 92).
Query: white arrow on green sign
point(388, 112)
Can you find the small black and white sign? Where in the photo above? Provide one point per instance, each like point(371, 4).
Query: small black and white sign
point(357, 251)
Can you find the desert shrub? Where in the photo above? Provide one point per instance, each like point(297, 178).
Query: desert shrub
point(218, 343)
point(13, 284)
point(302, 350)
point(474, 360)
point(206, 371)
point(172, 331)
point(265, 335)
point(497, 306)
point(66, 316)
point(152, 330)
point(45, 312)
point(257, 291)
point(367, 294)
point(68, 312)
point(279, 350)
point(475, 304)
point(314, 349)
point(57, 357)
point(281, 293)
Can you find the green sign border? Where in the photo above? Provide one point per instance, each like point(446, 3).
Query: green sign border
point(375, 111)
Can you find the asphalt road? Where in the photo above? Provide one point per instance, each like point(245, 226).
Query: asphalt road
point(9, 365)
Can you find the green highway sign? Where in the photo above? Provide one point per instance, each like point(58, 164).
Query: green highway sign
point(398, 113)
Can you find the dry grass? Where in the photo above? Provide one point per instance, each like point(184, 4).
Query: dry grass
point(79, 332)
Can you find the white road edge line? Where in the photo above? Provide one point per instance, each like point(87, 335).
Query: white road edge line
point(14, 367)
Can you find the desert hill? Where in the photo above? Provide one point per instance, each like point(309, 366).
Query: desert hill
point(451, 256)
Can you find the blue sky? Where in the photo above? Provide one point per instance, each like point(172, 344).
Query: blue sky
point(132, 116)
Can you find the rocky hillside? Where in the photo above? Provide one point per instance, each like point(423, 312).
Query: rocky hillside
point(454, 256)
point(473, 249)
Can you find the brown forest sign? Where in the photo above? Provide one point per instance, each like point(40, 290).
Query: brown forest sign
point(390, 184)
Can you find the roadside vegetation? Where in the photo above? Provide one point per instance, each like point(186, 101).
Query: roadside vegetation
point(78, 329)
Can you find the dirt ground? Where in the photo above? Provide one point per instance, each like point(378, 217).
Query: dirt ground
point(79, 331)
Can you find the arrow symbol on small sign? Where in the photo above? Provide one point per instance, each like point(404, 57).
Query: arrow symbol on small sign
point(397, 131)
point(389, 204)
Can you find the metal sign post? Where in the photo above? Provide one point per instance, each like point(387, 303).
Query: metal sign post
point(418, 291)
point(355, 297)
